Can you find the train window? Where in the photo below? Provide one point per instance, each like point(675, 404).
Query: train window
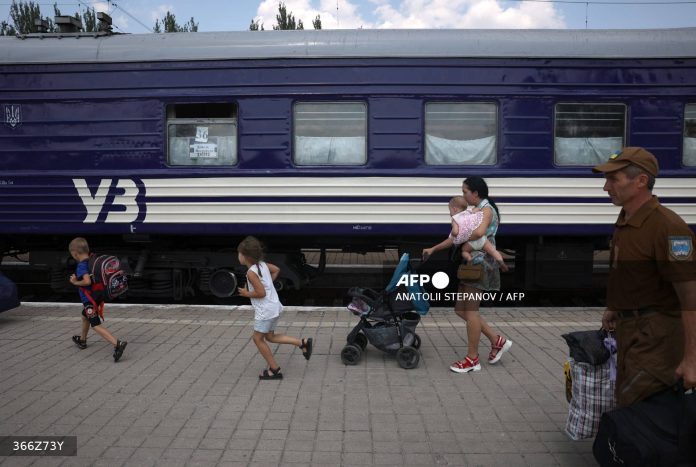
point(586, 134)
point(202, 134)
point(330, 133)
point(690, 135)
point(460, 133)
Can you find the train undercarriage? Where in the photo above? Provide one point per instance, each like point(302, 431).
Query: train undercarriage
point(177, 269)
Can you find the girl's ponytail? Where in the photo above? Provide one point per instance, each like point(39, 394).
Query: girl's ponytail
point(252, 248)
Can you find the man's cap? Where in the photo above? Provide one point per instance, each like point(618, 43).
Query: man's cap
point(637, 156)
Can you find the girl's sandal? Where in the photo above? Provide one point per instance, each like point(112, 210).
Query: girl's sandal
point(271, 374)
point(306, 348)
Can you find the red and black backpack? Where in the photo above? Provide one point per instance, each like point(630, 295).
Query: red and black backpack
point(109, 280)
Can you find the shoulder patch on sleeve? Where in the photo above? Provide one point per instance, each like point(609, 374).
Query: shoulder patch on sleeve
point(680, 248)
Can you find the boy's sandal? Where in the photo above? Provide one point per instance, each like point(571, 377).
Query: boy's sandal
point(79, 342)
point(271, 374)
point(306, 348)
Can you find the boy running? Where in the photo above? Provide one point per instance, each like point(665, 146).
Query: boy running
point(92, 312)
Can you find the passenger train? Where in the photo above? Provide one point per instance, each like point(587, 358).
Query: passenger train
point(166, 149)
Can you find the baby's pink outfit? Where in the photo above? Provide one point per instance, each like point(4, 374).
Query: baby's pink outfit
point(467, 222)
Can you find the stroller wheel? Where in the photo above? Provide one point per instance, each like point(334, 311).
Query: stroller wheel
point(361, 340)
point(350, 355)
point(416, 341)
point(407, 357)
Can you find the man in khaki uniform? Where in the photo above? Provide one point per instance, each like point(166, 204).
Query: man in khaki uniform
point(651, 294)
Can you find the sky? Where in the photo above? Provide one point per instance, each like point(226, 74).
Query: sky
point(135, 16)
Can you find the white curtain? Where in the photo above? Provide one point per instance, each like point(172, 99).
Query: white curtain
point(585, 151)
point(442, 151)
point(690, 152)
point(319, 150)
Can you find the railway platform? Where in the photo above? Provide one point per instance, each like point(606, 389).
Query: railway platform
point(186, 391)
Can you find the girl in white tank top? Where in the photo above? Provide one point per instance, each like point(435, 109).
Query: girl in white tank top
point(267, 307)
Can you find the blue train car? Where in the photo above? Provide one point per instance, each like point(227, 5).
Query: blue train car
point(166, 148)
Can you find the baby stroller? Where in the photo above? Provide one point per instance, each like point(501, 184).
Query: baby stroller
point(386, 322)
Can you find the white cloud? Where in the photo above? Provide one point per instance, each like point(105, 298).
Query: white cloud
point(123, 23)
point(348, 16)
point(160, 11)
point(101, 7)
point(462, 14)
point(467, 14)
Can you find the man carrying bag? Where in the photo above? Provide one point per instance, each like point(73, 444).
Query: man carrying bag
point(651, 304)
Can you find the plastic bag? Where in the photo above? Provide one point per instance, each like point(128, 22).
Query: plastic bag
point(587, 346)
point(592, 395)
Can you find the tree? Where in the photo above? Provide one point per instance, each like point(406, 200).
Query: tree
point(191, 26)
point(169, 24)
point(285, 20)
point(6, 29)
point(89, 23)
point(23, 16)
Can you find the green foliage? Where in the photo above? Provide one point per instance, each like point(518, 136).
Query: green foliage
point(23, 15)
point(191, 26)
point(169, 24)
point(255, 25)
point(6, 29)
point(89, 23)
point(284, 20)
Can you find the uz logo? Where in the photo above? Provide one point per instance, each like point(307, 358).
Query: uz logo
point(127, 192)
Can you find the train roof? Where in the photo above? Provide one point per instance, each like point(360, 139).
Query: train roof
point(360, 43)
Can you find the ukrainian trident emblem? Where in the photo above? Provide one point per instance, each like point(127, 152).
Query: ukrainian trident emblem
point(13, 115)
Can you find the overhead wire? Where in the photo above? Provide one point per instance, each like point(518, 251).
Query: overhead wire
point(132, 17)
point(81, 3)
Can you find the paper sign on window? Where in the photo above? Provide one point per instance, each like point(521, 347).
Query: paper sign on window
point(203, 150)
point(201, 134)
